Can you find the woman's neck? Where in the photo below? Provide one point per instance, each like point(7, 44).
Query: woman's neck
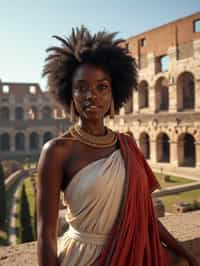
point(95, 128)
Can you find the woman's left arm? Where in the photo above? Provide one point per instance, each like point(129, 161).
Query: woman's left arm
point(176, 246)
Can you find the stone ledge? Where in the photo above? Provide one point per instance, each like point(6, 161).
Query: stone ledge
point(185, 227)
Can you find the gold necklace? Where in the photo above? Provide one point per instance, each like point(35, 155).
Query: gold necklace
point(105, 141)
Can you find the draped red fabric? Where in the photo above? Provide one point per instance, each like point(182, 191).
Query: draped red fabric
point(135, 238)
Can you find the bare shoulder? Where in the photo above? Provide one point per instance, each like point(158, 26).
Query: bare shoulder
point(57, 145)
point(55, 150)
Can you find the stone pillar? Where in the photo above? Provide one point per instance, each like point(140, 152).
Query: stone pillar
point(39, 113)
point(152, 99)
point(12, 108)
point(26, 140)
point(153, 151)
point(196, 48)
point(26, 112)
point(151, 63)
point(12, 142)
point(197, 95)
point(198, 154)
point(173, 153)
point(172, 98)
point(172, 53)
point(40, 134)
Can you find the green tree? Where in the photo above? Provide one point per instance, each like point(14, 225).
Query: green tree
point(2, 199)
point(25, 218)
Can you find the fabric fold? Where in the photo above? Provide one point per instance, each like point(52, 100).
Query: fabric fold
point(135, 239)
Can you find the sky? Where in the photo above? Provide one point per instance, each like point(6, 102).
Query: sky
point(26, 27)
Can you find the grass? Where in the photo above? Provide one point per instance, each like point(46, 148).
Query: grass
point(174, 181)
point(187, 197)
point(171, 201)
point(30, 165)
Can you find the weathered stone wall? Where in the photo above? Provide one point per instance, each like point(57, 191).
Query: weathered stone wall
point(185, 227)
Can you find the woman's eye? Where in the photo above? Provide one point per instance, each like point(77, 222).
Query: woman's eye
point(82, 88)
point(102, 87)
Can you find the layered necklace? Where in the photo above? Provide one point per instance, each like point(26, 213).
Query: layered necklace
point(105, 141)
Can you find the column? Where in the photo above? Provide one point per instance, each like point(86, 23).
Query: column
point(153, 151)
point(198, 154)
point(12, 142)
point(172, 53)
point(152, 99)
point(26, 140)
point(12, 107)
point(172, 98)
point(151, 63)
point(135, 102)
point(173, 153)
point(197, 95)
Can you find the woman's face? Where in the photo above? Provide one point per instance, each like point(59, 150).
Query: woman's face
point(91, 92)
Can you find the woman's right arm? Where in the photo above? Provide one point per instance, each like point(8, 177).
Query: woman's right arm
point(50, 174)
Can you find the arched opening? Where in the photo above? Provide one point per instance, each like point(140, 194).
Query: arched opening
point(19, 113)
point(185, 91)
point(47, 136)
point(33, 113)
point(46, 112)
point(143, 94)
point(19, 142)
point(5, 142)
point(34, 141)
point(4, 114)
point(186, 150)
point(162, 94)
point(163, 148)
point(145, 144)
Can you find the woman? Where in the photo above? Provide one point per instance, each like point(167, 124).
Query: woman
point(106, 181)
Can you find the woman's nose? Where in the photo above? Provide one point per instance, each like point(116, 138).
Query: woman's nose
point(90, 94)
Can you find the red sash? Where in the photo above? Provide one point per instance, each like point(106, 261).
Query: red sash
point(135, 238)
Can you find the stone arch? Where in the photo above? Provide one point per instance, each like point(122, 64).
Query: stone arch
point(144, 143)
point(5, 142)
point(34, 141)
point(186, 150)
point(163, 148)
point(4, 113)
point(19, 113)
point(19, 141)
point(162, 94)
point(33, 113)
point(46, 112)
point(143, 94)
point(47, 136)
point(185, 91)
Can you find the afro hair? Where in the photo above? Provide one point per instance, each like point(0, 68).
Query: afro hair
point(101, 50)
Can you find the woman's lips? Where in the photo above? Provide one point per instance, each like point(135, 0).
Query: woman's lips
point(92, 108)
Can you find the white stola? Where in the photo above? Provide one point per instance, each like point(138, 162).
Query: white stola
point(93, 199)
point(87, 238)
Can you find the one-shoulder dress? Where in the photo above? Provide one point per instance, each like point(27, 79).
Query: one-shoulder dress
point(93, 199)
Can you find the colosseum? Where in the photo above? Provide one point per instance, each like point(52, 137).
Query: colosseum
point(28, 118)
point(163, 113)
